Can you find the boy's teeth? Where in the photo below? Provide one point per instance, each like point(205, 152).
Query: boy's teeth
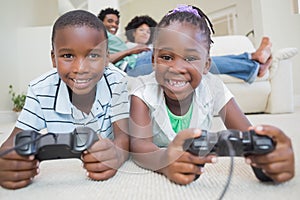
point(177, 83)
point(81, 81)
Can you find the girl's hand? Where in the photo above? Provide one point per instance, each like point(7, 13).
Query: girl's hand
point(184, 166)
point(279, 164)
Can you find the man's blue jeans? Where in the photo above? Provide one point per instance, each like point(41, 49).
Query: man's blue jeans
point(240, 66)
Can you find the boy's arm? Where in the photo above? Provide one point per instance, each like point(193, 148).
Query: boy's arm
point(16, 171)
point(121, 139)
point(103, 159)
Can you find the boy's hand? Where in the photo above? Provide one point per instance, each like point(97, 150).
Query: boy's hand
point(102, 160)
point(279, 164)
point(183, 166)
point(17, 171)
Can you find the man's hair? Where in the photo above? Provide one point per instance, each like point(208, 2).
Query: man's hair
point(78, 18)
point(108, 11)
point(138, 21)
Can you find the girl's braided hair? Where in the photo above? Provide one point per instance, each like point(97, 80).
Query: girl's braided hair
point(190, 14)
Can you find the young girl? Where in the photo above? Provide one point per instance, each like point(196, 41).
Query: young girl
point(181, 97)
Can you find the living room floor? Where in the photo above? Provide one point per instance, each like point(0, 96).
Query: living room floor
point(57, 180)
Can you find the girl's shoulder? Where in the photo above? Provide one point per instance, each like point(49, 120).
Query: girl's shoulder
point(141, 83)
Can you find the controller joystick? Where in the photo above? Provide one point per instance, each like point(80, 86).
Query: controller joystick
point(242, 144)
point(55, 146)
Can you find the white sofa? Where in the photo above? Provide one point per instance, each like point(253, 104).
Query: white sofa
point(272, 93)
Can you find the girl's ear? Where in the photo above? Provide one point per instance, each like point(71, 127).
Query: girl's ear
point(53, 59)
point(153, 62)
point(207, 66)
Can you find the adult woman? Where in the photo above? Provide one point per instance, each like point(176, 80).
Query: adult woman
point(140, 30)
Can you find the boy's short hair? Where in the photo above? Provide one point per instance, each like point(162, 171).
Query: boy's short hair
point(78, 18)
point(108, 11)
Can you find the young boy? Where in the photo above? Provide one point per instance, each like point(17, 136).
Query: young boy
point(79, 91)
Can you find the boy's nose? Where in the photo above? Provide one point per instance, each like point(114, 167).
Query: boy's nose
point(78, 66)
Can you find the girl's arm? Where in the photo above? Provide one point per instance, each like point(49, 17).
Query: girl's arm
point(176, 164)
point(233, 117)
point(144, 152)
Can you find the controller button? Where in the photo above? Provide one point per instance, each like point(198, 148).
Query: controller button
point(262, 141)
point(81, 140)
point(24, 140)
point(264, 147)
point(200, 143)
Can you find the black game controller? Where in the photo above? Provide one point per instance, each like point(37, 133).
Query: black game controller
point(55, 146)
point(242, 144)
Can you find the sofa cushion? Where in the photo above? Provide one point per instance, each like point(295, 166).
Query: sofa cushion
point(230, 79)
point(233, 44)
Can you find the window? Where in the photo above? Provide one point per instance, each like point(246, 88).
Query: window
point(296, 6)
point(224, 21)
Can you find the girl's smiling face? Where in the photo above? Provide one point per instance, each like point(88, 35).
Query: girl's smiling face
point(80, 56)
point(180, 59)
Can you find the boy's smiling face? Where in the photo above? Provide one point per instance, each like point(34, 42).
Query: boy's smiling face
point(80, 56)
point(180, 59)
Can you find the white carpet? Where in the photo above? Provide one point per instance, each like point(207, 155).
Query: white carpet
point(65, 179)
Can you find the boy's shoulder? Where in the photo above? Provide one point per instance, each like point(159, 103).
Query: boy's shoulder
point(49, 78)
point(112, 72)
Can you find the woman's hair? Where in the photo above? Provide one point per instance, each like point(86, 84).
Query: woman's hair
point(108, 11)
point(78, 18)
point(189, 14)
point(137, 22)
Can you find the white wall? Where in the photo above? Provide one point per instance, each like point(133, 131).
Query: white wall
point(283, 26)
point(15, 14)
point(277, 21)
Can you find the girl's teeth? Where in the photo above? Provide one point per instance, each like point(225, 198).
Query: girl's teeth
point(177, 83)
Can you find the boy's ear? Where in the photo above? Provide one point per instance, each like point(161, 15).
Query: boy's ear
point(207, 66)
point(107, 59)
point(53, 59)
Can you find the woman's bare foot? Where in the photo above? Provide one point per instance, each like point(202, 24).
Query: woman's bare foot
point(263, 53)
point(263, 68)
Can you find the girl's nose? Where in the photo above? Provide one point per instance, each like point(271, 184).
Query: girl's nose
point(179, 66)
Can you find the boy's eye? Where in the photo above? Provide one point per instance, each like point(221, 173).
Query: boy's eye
point(67, 55)
point(191, 58)
point(93, 55)
point(166, 57)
